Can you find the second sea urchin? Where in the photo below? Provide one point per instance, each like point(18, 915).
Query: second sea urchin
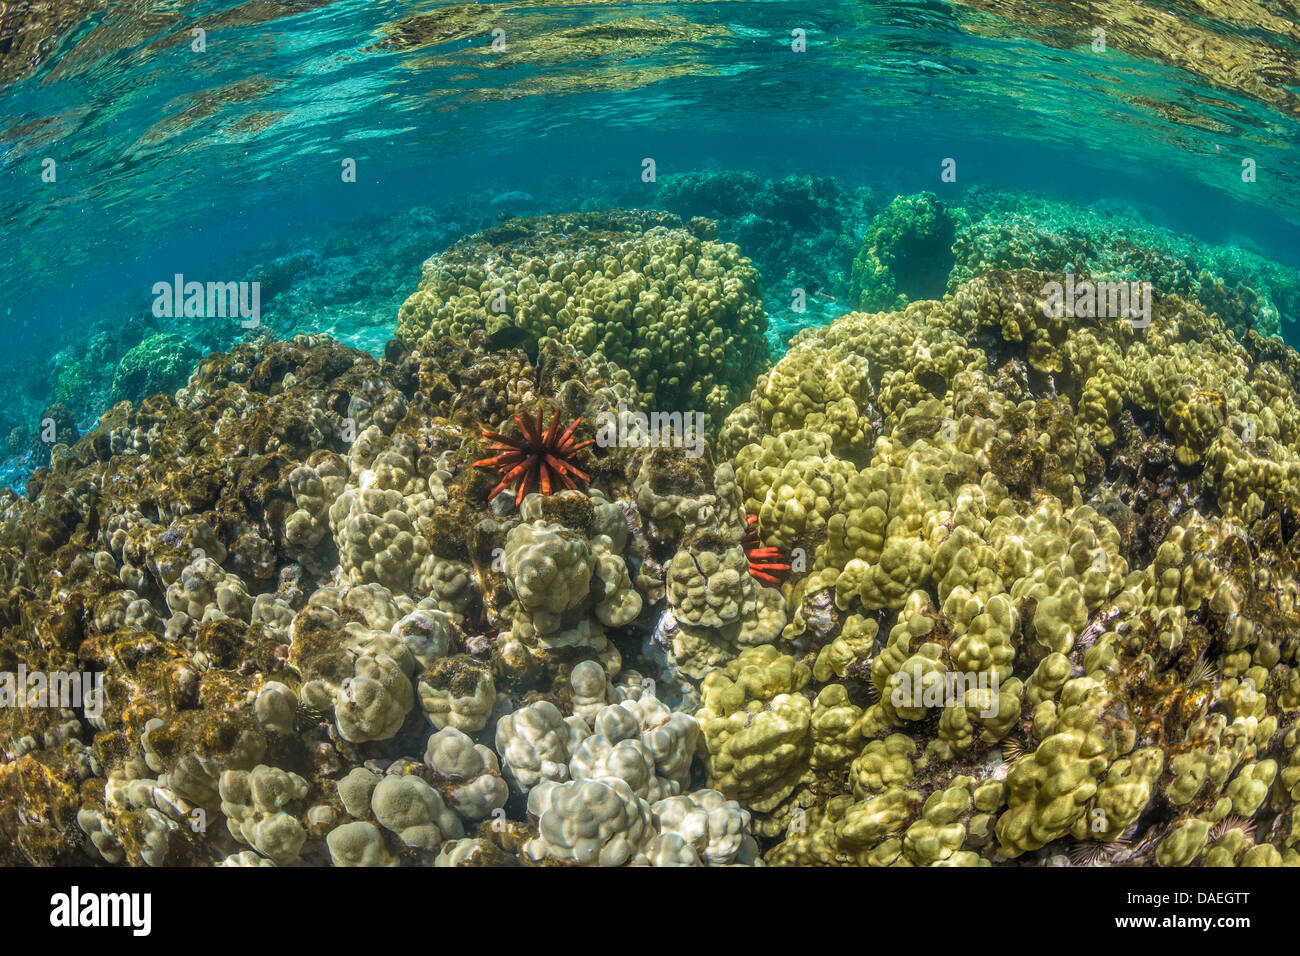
point(762, 561)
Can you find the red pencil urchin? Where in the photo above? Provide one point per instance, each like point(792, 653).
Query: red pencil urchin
point(536, 460)
point(762, 561)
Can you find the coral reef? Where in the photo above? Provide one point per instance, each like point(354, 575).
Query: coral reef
point(1021, 636)
point(1011, 230)
point(905, 253)
point(962, 582)
point(315, 622)
point(161, 363)
point(679, 310)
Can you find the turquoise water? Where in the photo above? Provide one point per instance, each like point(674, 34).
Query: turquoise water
point(228, 163)
point(833, 459)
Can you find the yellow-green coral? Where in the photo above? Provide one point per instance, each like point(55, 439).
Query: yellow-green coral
point(757, 727)
point(679, 310)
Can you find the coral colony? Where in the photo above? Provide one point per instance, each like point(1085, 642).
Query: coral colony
point(982, 552)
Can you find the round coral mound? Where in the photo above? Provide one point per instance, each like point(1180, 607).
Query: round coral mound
point(665, 300)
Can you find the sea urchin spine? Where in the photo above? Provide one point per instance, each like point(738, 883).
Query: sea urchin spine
point(762, 561)
point(536, 460)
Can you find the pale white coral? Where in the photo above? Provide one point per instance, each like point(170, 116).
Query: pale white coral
point(372, 704)
point(204, 591)
point(718, 607)
point(427, 632)
point(275, 706)
point(458, 693)
point(595, 822)
point(536, 742)
point(413, 810)
point(358, 844)
point(468, 772)
point(716, 828)
point(255, 803)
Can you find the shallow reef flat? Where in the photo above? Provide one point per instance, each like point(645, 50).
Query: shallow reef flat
point(955, 580)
